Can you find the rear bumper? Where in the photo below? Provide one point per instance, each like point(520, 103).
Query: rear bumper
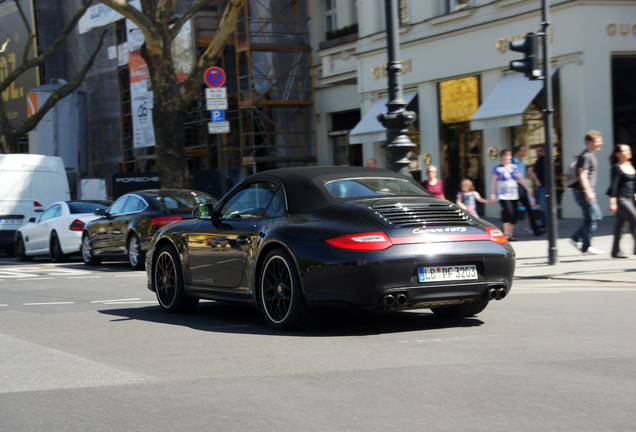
point(364, 282)
point(7, 237)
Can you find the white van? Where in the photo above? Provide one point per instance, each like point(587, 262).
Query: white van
point(28, 185)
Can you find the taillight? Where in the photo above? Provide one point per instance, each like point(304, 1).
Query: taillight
point(76, 225)
point(496, 235)
point(371, 241)
point(165, 220)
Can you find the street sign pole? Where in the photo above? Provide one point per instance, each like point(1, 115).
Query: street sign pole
point(550, 188)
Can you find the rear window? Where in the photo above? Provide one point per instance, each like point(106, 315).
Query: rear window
point(87, 207)
point(181, 201)
point(364, 187)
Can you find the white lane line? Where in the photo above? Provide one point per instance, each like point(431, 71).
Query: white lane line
point(48, 303)
point(36, 278)
point(84, 277)
point(561, 289)
point(132, 302)
point(116, 300)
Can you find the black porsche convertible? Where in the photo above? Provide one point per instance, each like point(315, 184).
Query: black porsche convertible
point(286, 239)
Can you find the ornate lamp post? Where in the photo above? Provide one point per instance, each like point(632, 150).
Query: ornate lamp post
point(398, 144)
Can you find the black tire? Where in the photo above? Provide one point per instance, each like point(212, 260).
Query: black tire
point(461, 310)
point(87, 252)
point(55, 249)
point(167, 280)
point(20, 250)
point(136, 257)
point(281, 299)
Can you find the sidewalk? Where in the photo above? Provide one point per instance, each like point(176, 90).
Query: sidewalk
point(532, 255)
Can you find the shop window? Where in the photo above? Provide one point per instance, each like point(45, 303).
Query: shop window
point(343, 152)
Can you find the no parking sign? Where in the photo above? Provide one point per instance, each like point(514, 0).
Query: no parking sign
point(214, 77)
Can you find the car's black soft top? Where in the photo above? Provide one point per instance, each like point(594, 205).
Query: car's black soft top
point(304, 185)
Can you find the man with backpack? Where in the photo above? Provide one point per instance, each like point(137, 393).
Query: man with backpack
point(585, 195)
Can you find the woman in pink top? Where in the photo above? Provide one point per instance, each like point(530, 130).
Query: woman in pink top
point(433, 184)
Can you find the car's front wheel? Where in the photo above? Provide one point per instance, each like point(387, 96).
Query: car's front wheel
point(280, 293)
point(55, 249)
point(461, 310)
point(135, 254)
point(167, 279)
point(20, 249)
point(87, 252)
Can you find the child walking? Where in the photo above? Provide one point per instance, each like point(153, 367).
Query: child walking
point(468, 197)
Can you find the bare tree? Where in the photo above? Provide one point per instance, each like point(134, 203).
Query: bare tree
point(9, 135)
point(160, 25)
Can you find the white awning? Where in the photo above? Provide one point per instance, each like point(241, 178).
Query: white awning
point(504, 107)
point(369, 129)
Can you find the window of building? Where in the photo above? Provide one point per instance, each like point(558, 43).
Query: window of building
point(354, 11)
point(330, 15)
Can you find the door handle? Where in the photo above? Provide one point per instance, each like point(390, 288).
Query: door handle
point(243, 240)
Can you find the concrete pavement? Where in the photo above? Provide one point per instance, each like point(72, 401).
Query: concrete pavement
point(532, 255)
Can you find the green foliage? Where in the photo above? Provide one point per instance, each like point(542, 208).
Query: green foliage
point(351, 29)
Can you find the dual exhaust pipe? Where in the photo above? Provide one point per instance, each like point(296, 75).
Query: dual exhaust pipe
point(398, 299)
point(496, 293)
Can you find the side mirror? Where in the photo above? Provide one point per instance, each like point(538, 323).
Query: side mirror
point(31, 219)
point(203, 211)
point(100, 212)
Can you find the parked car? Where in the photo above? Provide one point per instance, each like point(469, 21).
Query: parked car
point(29, 183)
point(124, 230)
point(58, 231)
point(286, 239)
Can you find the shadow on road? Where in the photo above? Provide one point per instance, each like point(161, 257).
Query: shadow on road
point(332, 322)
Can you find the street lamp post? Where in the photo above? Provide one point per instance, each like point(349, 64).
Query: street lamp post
point(398, 144)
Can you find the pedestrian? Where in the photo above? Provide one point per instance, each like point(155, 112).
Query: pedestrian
point(468, 197)
point(371, 163)
point(539, 173)
point(432, 183)
point(623, 196)
point(525, 198)
point(506, 179)
point(585, 194)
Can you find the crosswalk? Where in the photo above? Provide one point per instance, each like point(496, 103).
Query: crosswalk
point(52, 271)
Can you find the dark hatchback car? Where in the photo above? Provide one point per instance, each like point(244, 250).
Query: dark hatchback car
point(124, 230)
point(286, 239)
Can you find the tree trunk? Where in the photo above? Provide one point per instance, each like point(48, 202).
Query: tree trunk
point(170, 146)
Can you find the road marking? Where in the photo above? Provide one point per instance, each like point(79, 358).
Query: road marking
point(36, 278)
point(116, 300)
point(562, 289)
point(131, 302)
point(48, 303)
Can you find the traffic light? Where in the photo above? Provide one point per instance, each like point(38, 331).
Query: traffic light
point(530, 64)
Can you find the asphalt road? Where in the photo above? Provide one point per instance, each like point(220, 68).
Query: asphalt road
point(89, 349)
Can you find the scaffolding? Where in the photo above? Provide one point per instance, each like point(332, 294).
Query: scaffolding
point(274, 88)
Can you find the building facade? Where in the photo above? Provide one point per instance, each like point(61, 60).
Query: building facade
point(456, 77)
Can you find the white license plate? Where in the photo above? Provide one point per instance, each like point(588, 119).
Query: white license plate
point(446, 273)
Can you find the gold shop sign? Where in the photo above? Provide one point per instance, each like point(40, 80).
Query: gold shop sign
point(622, 29)
point(380, 71)
point(459, 99)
